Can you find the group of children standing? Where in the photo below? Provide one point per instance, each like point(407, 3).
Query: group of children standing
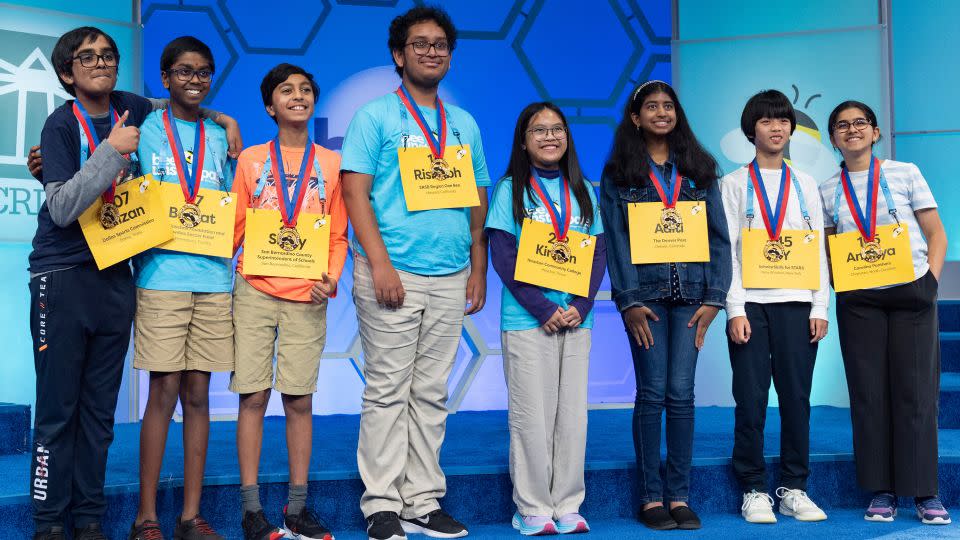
point(420, 266)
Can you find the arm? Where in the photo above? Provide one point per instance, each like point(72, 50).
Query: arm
point(736, 296)
point(821, 297)
point(503, 251)
point(936, 235)
point(623, 274)
point(338, 233)
point(477, 282)
point(719, 269)
point(241, 192)
point(585, 304)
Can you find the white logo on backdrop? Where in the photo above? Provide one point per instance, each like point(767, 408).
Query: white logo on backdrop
point(23, 79)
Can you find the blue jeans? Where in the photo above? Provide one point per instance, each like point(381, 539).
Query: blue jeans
point(665, 376)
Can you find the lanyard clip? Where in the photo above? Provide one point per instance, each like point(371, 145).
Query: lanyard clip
point(807, 219)
point(749, 222)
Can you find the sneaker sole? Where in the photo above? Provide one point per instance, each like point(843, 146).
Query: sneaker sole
point(409, 527)
point(547, 529)
point(934, 521)
point(880, 519)
point(761, 520)
point(287, 533)
point(800, 517)
point(394, 537)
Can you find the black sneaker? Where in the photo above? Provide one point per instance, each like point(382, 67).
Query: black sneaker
point(53, 533)
point(256, 527)
point(148, 530)
point(436, 524)
point(384, 526)
point(657, 518)
point(195, 529)
point(685, 517)
point(305, 526)
point(90, 532)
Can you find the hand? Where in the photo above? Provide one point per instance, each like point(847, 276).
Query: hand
point(702, 318)
point(124, 139)
point(35, 162)
point(571, 317)
point(389, 289)
point(555, 323)
point(818, 329)
point(637, 324)
point(476, 292)
point(323, 289)
point(739, 330)
point(234, 140)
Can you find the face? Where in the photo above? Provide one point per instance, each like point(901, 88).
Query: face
point(189, 93)
point(658, 114)
point(854, 138)
point(421, 63)
point(772, 134)
point(292, 100)
point(546, 139)
point(93, 81)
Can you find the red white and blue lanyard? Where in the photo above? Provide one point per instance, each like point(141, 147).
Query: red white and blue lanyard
point(671, 194)
point(89, 140)
point(773, 220)
point(866, 222)
point(309, 156)
point(437, 145)
point(561, 221)
point(189, 181)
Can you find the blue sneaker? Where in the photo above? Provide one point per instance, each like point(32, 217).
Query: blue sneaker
point(534, 525)
point(931, 512)
point(883, 507)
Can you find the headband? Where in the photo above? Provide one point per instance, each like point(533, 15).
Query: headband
point(641, 87)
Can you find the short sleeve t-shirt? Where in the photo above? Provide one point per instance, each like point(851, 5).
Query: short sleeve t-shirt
point(163, 270)
point(426, 242)
point(910, 193)
point(500, 216)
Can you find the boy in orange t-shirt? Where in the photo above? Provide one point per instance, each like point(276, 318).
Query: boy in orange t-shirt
point(290, 312)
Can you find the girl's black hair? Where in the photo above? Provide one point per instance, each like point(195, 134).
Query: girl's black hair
point(628, 163)
point(520, 169)
point(766, 104)
point(275, 78)
point(182, 45)
point(400, 28)
point(67, 46)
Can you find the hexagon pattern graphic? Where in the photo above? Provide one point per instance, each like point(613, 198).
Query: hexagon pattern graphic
point(516, 45)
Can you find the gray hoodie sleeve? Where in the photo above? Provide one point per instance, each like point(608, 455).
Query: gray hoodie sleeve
point(67, 200)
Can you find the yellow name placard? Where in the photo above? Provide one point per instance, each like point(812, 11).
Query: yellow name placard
point(429, 184)
point(793, 262)
point(268, 250)
point(539, 263)
point(133, 224)
point(204, 227)
point(679, 235)
point(858, 264)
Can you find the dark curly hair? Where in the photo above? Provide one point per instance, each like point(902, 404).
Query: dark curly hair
point(400, 27)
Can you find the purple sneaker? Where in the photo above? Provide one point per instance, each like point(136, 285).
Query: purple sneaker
point(931, 512)
point(883, 507)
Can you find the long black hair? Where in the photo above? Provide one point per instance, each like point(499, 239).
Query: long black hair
point(628, 162)
point(520, 168)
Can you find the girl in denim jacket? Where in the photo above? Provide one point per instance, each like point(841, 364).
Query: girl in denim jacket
point(666, 306)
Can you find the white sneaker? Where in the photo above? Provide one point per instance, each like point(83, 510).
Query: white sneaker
point(795, 503)
point(758, 508)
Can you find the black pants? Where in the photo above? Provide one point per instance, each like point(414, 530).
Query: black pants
point(80, 321)
point(779, 348)
point(891, 352)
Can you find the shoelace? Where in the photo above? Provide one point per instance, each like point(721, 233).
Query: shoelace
point(754, 497)
point(882, 501)
point(800, 497)
point(151, 534)
point(202, 526)
point(932, 504)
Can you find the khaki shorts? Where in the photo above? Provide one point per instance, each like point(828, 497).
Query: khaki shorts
point(179, 330)
point(264, 324)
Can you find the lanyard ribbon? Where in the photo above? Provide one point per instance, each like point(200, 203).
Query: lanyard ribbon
point(189, 181)
point(437, 146)
point(93, 140)
point(866, 223)
point(563, 219)
point(773, 221)
point(670, 197)
point(800, 199)
point(290, 205)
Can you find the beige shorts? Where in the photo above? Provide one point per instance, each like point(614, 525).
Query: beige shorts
point(265, 324)
point(178, 331)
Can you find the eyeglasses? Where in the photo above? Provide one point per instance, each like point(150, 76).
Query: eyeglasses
point(422, 48)
point(186, 74)
point(844, 126)
point(540, 133)
point(90, 59)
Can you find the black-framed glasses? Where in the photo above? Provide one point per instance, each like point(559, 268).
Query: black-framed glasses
point(91, 59)
point(422, 47)
point(844, 126)
point(186, 74)
point(540, 133)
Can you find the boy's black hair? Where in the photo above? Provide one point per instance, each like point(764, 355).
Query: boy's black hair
point(766, 104)
point(182, 45)
point(66, 49)
point(400, 27)
point(275, 78)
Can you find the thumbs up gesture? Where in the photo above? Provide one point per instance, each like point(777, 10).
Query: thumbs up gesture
point(124, 139)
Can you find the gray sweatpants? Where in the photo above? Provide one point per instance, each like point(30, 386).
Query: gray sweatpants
point(408, 355)
point(547, 399)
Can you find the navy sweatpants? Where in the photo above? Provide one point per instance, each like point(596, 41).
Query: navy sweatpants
point(80, 321)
